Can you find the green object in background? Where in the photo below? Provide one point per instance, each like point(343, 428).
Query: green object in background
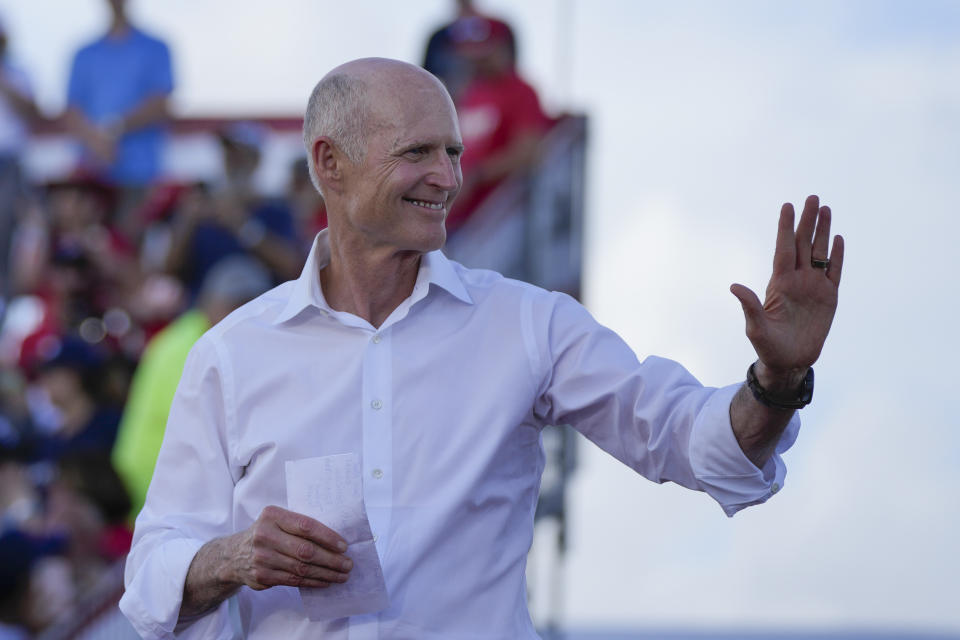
point(151, 393)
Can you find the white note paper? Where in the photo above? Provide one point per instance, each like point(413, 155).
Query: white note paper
point(330, 489)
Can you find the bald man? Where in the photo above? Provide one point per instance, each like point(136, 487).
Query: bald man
point(437, 379)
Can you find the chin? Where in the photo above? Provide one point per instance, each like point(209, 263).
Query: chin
point(439, 239)
point(431, 240)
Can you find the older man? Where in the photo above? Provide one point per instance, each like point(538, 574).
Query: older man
point(439, 379)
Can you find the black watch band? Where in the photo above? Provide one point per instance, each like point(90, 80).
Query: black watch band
point(804, 395)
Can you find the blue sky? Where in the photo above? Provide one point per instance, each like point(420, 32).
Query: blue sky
point(705, 117)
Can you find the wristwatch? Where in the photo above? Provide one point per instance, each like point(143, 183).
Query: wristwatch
point(803, 398)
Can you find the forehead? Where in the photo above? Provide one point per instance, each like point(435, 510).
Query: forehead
point(416, 111)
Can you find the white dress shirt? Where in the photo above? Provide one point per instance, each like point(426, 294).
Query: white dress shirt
point(444, 404)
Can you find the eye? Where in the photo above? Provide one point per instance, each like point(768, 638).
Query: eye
point(454, 152)
point(416, 151)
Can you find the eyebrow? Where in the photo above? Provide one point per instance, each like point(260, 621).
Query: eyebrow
point(402, 145)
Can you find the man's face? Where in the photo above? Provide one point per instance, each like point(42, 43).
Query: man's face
point(399, 195)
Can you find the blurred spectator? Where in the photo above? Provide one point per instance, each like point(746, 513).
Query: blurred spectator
point(117, 101)
point(443, 57)
point(229, 284)
point(76, 267)
point(87, 506)
point(18, 113)
point(29, 599)
point(67, 405)
point(15, 423)
point(81, 212)
point(232, 219)
point(501, 121)
point(21, 506)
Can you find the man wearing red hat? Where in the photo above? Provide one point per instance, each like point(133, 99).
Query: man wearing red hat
point(501, 120)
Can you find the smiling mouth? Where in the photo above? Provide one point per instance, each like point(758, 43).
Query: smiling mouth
point(433, 206)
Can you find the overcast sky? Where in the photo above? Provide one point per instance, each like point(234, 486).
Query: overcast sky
point(704, 117)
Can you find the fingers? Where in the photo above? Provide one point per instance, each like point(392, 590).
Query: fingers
point(299, 570)
point(804, 235)
point(756, 322)
point(785, 254)
point(302, 526)
point(287, 548)
point(836, 260)
point(298, 551)
point(264, 578)
point(752, 308)
point(821, 239)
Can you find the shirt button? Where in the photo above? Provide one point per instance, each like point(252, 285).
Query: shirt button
point(775, 487)
point(376, 338)
point(377, 473)
point(376, 404)
point(376, 537)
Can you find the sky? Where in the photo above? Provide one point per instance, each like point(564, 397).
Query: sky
point(704, 117)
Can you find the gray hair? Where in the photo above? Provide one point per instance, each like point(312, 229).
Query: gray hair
point(336, 109)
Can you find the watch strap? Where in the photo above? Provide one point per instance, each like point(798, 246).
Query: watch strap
point(803, 398)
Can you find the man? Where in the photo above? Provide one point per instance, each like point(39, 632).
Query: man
point(439, 378)
point(117, 103)
point(443, 56)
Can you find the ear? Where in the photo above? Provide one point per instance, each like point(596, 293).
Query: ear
point(328, 162)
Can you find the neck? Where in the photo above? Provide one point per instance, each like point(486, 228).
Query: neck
point(118, 26)
point(368, 282)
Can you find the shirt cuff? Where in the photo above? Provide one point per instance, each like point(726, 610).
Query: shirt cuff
point(721, 467)
point(154, 592)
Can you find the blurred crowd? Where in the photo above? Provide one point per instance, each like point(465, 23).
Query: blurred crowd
point(109, 274)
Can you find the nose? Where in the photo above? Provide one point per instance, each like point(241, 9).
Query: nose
point(445, 174)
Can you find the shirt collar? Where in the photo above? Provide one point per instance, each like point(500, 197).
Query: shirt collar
point(435, 268)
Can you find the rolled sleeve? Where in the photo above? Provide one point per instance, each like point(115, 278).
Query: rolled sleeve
point(152, 599)
point(721, 467)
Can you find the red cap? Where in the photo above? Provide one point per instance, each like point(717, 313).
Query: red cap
point(473, 32)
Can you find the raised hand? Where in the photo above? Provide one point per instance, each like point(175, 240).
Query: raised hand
point(788, 330)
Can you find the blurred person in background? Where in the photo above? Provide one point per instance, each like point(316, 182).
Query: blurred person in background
point(34, 588)
point(443, 57)
point(232, 282)
point(501, 120)
point(81, 213)
point(72, 264)
point(15, 421)
point(18, 114)
point(87, 507)
point(117, 104)
point(67, 395)
point(231, 218)
point(21, 501)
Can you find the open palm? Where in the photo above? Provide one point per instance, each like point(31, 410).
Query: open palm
point(788, 330)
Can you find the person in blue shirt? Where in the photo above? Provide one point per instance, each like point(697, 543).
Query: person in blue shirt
point(118, 100)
